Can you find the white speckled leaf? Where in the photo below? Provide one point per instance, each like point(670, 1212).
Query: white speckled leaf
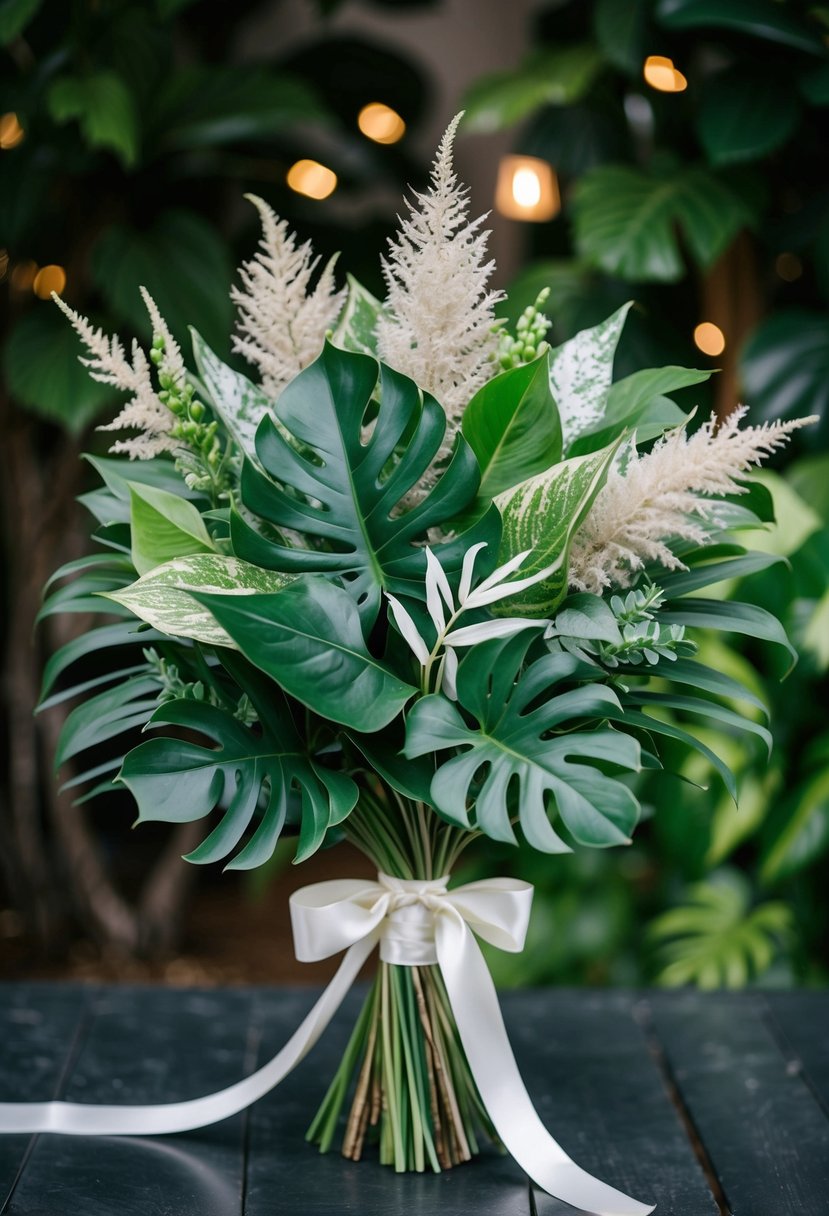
point(238, 402)
point(542, 515)
point(356, 328)
point(581, 371)
point(160, 598)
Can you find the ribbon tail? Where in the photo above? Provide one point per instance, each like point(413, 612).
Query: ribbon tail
point(86, 1119)
point(484, 1037)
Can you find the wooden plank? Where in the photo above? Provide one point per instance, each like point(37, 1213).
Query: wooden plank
point(39, 1023)
point(589, 1070)
point(286, 1173)
point(801, 1022)
point(148, 1045)
point(763, 1130)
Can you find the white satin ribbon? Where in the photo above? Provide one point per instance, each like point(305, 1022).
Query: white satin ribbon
point(416, 923)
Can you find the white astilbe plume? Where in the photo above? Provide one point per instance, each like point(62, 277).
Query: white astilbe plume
point(437, 326)
point(668, 494)
point(282, 323)
point(108, 362)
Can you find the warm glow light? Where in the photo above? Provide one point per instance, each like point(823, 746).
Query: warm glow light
point(527, 189)
point(788, 266)
point(23, 275)
point(11, 132)
point(312, 179)
point(47, 280)
point(660, 73)
point(381, 123)
point(709, 338)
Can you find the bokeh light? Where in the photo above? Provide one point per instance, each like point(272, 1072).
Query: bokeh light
point(381, 123)
point(312, 179)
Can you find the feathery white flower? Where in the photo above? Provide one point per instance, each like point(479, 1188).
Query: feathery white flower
point(496, 586)
point(108, 362)
point(437, 326)
point(282, 323)
point(667, 494)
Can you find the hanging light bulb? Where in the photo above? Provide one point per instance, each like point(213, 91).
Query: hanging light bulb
point(527, 189)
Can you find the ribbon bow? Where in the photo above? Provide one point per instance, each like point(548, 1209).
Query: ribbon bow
point(416, 923)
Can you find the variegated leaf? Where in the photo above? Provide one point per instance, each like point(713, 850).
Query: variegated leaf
point(238, 402)
point(581, 371)
point(542, 515)
point(161, 597)
point(356, 328)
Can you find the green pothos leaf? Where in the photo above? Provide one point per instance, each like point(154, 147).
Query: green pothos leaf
point(523, 738)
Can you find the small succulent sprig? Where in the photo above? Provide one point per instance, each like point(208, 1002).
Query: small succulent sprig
point(174, 687)
point(621, 633)
point(439, 664)
point(529, 340)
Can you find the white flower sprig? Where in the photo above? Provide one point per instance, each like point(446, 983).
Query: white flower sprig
point(282, 319)
point(107, 362)
point(671, 493)
point(440, 602)
point(439, 322)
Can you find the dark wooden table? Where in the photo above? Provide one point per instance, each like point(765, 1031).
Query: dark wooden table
point(702, 1103)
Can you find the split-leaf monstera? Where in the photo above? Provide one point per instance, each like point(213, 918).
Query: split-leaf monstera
point(516, 714)
point(348, 444)
point(246, 773)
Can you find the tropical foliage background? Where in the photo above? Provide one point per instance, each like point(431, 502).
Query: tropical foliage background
point(137, 135)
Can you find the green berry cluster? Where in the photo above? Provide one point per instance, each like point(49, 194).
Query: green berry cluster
point(529, 340)
point(174, 687)
point(202, 459)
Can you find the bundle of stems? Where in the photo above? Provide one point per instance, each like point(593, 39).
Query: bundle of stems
point(404, 1068)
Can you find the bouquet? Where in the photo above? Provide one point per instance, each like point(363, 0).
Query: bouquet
point(423, 577)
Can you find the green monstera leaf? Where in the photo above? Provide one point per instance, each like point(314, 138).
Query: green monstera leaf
point(341, 486)
point(242, 771)
point(529, 771)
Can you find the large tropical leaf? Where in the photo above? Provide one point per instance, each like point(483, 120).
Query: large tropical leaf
point(542, 515)
point(628, 222)
point(161, 597)
point(778, 23)
point(785, 369)
point(746, 114)
point(717, 940)
point(550, 77)
point(513, 427)
point(523, 761)
point(243, 772)
point(309, 639)
point(341, 488)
